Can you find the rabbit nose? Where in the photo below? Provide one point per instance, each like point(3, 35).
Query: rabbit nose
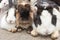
point(10, 21)
point(47, 33)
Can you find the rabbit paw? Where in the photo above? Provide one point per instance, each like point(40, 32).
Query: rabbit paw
point(19, 30)
point(13, 30)
point(34, 33)
point(55, 35)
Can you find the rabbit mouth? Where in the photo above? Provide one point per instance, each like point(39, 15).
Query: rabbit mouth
point(9, 22)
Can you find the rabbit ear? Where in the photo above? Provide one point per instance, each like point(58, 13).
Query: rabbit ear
point(57, 8)
point(0, 0)
point(10, 3)
point(50, 9)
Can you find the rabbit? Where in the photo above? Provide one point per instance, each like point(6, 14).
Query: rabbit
point(24, 16)
point(46, 23)
point(8, 20)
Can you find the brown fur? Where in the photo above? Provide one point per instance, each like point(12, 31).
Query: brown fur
point(20, 22)
point(17, 18)
point(24, 22)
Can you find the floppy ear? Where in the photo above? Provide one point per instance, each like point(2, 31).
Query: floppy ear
point(10, 3)
point(57, 8)
point(50, 9)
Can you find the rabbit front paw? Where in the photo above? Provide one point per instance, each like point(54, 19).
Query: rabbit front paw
point(55, 35)
point(34, 33)
point(13, 30)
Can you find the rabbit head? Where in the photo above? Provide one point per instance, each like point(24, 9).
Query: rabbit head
point(10, 18)
point(4, 3)
point(25, 14)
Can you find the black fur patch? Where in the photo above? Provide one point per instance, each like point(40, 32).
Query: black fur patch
point(50, 9)
point(57, 8)
point(56, 1)
point(0, 0)
point(54, 20)
point(29, 0)
point(37, 21)
point(40, 9)
point(10, 3)
point(29, 28)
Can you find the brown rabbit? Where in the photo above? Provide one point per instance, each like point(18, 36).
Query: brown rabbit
point(24, 16)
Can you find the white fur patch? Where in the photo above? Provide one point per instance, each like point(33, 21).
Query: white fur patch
point(5, 20)
point(46, 28)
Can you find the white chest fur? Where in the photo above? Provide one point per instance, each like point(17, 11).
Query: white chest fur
point(46, 27)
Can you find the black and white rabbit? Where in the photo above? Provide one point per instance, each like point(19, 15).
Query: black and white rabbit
point(46, 21)
point(8, 20)
point(46, 24)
